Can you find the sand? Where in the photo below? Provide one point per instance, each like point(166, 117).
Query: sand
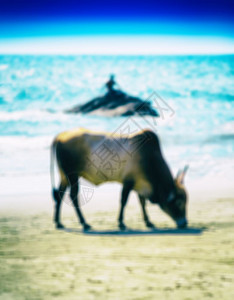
point(39, 262)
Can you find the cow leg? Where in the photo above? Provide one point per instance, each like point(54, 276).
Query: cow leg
point(124, 197)
point(145, 216)
point(58, 197)
point(74, 197)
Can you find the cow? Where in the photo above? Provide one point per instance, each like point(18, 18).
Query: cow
point(135, 161)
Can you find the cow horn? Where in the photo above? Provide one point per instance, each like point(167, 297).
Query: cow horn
point(178, 173)
point(181, 174)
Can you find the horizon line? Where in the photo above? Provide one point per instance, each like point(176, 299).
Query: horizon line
point(118, 45)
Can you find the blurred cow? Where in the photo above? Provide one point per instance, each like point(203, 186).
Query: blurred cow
point(136, 161)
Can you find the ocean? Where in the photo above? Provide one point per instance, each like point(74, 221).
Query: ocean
point(196, 126)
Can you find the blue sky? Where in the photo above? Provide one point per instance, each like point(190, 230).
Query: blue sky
point(21, 20)
point(117, 8)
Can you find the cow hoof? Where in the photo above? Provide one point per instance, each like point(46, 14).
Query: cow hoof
point(59, 226)
point(86, 227)
point(150, 225)
point(122, 227)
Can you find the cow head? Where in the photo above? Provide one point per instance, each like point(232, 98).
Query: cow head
point(175, 204)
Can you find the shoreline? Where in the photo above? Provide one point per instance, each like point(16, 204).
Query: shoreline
point(34, 192)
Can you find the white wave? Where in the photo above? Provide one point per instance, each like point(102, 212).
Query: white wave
point(25, 73)
point(3, 67)
point(11, 144)
point(31, 115)
point(227, 128)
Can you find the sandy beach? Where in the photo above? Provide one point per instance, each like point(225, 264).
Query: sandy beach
point(39, 262)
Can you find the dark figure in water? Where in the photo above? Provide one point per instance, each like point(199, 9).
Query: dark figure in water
point(110, 84)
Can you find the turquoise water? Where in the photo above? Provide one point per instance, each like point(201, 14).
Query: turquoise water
point(34, 91)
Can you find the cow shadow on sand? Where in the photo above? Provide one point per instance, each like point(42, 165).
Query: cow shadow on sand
point(135, 232)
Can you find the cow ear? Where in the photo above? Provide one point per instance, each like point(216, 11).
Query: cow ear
point(181, 174)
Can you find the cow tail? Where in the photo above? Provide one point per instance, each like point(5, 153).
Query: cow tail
point(52, 159)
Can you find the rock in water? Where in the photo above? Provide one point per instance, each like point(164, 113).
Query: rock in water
point(116, 103)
